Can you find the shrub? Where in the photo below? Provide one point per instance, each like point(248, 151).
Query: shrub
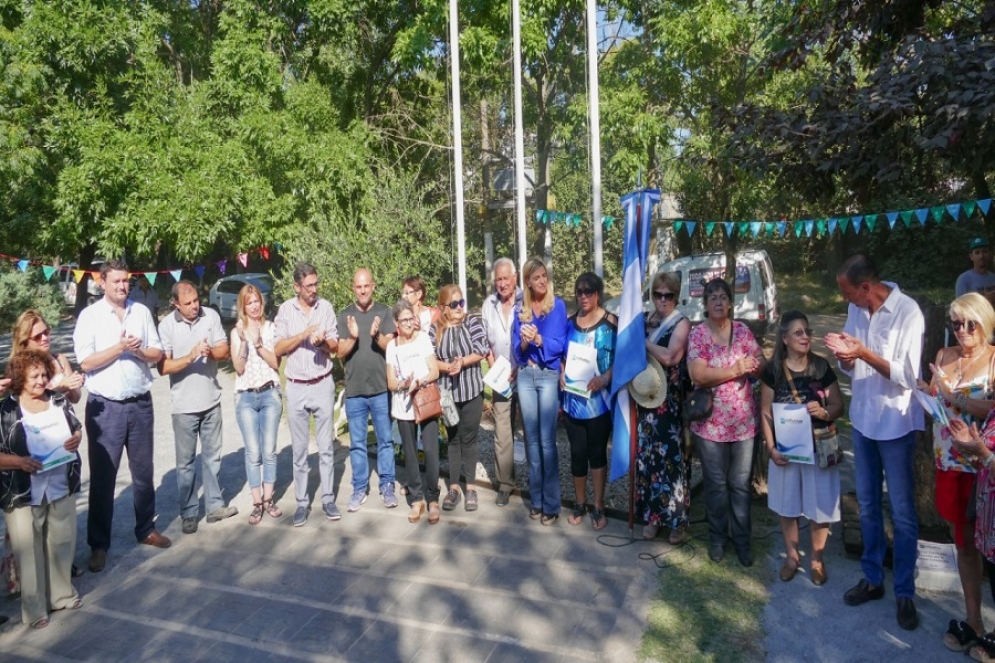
point(20, 291)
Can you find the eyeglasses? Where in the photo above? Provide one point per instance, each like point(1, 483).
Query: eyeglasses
point(310, 286)
point(46, 334)
point(718, 299)
point(586, 292)
point(802, 332)
point(406, 321)
point(957, 325)
point(459, 303)
point(665, 296)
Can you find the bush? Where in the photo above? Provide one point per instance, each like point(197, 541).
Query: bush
point(20, 291)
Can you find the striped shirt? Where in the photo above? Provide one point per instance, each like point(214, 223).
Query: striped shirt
point(465, 339)
point(306, 362)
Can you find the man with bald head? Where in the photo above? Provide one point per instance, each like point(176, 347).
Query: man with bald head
point(193, 344)
point(365, 329)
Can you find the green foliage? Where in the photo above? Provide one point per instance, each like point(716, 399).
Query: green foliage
point(20, 291)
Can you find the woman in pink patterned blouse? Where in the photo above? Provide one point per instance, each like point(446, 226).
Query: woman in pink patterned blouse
point(722, 356)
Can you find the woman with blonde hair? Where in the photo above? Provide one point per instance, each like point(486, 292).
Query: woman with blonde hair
point(31, 332)
point(258, 406)
point(538, 337)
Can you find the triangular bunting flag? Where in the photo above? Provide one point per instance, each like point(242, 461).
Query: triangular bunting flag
point(755, 227)
point(690, 225)
point(23, 265)
point(782, 227)
point(985, 205)
point(857, 222)
point(47, 270)
point(937, 213)
point(742, 227)
point(831, 226)
point(279, 247)
point(729, 226)
point(540, 214)
point(871, 220)
point(844, 224)
point(78, 275)
point(222, 265)
point(264, 251)
point(968, 210)
point(798, 228)
point(769, 227)
point(892, 217)
point(200, 269)
point(175, 273)
point(954, 211)
point(95, 276)
point(922, 213)
point(677, 227)
point(709, 227)
point(809, 226)
point(151, 277)
point(906, 218)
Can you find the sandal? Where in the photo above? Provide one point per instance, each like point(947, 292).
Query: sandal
point(41, 623)
point(257, 513)
point(549, 519)
point(678, 537)
point(534, 513)
point(959, 636)
point(598, 519)
point(273, 510)
point(984, 649)
point(577, 517)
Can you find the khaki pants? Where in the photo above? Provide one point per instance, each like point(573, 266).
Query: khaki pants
point(504, 440)
point(44, 542)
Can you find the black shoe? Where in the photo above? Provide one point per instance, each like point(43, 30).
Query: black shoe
point(716, 552)
point(190, 525)
point(745, 557)
point(503, 497)
point(863, 592)
point(908, 618)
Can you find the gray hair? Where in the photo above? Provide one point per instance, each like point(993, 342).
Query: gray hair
point(400, 307)
point(501, 262)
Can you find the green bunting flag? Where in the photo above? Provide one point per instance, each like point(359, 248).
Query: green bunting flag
point(937, 213)
point(709, 227)
point(47, 270)
point(844, 224)
point(906, 217)
point(968, 210)
point(677, 226)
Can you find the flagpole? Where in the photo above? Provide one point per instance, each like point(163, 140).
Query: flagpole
point(457, 144)
point(595, 119)
point(632, 469)
point(516, 34)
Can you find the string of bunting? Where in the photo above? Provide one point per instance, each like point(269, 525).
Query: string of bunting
point(828, 226)
point(549, 217)
point(49, 270)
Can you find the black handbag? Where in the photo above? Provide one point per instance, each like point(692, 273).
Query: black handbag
point(698, 405)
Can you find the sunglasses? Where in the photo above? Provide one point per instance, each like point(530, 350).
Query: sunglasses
point(957, 325)
point(802, 332)
point(459, 303)
point(666, 296)
point(585, 292)
point(46, 334)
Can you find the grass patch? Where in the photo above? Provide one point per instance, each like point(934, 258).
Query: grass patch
point(707, 611)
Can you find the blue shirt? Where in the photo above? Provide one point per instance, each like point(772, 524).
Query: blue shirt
point(553, 329)
point(602, 338)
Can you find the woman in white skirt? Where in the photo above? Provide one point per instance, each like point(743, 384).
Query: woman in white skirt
point(796, 375)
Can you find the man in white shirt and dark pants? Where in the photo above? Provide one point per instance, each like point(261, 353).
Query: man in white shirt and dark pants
point(881, 350)
point(115, 343)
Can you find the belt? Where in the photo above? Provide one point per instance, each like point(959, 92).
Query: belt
point(255, 390)
point(314, 381)
point(131, 399)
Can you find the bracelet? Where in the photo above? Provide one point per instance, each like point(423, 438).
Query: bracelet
point(960, 400)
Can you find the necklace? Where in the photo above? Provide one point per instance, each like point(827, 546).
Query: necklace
point(586, 328)
point(962, 369)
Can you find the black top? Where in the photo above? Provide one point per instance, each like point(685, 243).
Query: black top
point(811, 384)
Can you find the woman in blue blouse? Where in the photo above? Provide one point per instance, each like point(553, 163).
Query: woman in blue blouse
point(538, 336)
point(588, 417)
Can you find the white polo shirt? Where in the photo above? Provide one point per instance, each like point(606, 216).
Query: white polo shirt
point(99, 328)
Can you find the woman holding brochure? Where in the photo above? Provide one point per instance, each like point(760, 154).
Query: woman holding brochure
point(411, 365)
point(38, 428)
point(663, 493)
point(962, 380)
point(797, 376)
point(460, 345)
point(538, 337)
point(722, 356)
point(586, 406)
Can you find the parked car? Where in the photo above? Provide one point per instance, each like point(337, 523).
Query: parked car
point(755, 291)
point(223, 296)
point(68, 287)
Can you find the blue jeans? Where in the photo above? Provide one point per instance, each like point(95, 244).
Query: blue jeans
point(358, 410)
point(892, 461)
point(725, 469)
point(258, 415)
point(186, 429)
point(539, 399)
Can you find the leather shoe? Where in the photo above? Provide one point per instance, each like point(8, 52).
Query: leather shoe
point(716, 552)
point(156, 540)
point(863, 592)
point(788, 571)
point(819, 576)
point(745, 557)
point(503, 497)
point(908, 618)
point(98, 560)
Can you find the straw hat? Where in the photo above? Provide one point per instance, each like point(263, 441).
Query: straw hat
point(649, 388)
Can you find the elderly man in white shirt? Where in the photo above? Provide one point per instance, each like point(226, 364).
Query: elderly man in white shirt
point(115, 343)
point(881, 349)
point(498, 313)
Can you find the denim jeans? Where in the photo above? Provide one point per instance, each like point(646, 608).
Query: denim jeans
point(258, 416)
point(186, 429)
point(359, 410)
point(539, 399)
point(725, 468)
point(890, 460)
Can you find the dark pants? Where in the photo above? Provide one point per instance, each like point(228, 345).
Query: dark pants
point(111, 427)
point(588, 442)
point(463, 451)
point(412, 473)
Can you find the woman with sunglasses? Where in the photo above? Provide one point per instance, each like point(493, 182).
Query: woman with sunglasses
point(588, 418)
point(31, 332)
point(962, 378)
point(663, 494)
point(538, 337)
point(460, 344)
point(413, 292)
point(722, 356)
point(796, 374)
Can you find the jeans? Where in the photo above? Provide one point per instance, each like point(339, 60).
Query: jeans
point(725, 470)
point(303, 402)
point(892, 461)
point(358, 410)
point(186, 429)
point(539, 398)
point(409, 431)
point(258, 415)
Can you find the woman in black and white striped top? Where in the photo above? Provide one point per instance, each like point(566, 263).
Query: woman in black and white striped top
point(460, 345)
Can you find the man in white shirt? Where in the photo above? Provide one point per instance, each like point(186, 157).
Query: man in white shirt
point(115, 343)
point(498, 313)
point(881, 349)
point(193, 343)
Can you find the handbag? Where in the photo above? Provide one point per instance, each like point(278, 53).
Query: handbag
point(426, 402)
point(450, 415)
point(698, 405)
point(828, 451)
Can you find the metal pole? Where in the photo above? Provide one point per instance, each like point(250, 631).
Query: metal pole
point(457, 144)
point(595, 120)
point(516, 34)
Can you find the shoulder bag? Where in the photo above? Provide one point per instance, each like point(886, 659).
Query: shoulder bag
point(427, 402)
point(698, 405)
point(828, 451)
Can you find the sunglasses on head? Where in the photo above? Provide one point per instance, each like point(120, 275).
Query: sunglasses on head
point(957, 325)
point(666, 296)
point(459, 303)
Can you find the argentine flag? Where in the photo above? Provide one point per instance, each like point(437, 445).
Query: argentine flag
point(630, 344)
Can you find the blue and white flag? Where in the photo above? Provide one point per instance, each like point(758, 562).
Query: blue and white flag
point(630, 344)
